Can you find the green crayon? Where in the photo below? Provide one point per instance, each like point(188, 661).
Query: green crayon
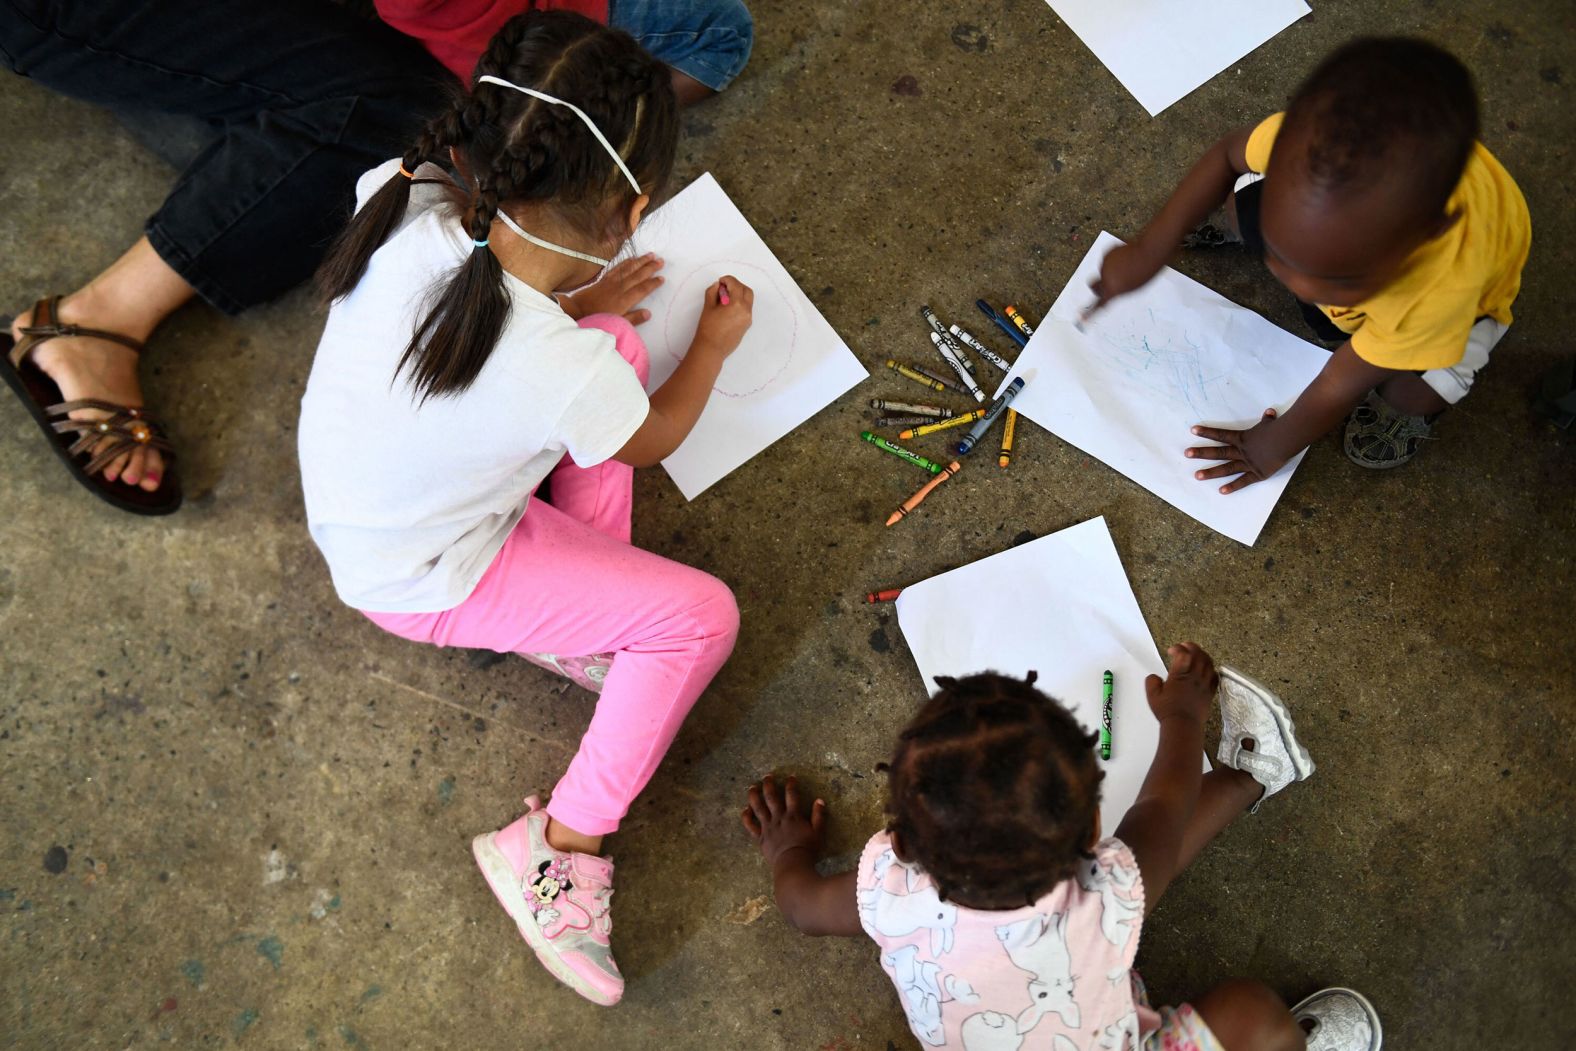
point(1105, 716)
point(897, 450)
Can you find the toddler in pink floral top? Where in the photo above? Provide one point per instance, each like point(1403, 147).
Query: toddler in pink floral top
point(1003, 918)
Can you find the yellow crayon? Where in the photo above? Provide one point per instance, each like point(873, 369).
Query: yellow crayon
point(941, 425)
point(1019, 320)
point(904, 370)
point(914, 501)
point(1006, 437)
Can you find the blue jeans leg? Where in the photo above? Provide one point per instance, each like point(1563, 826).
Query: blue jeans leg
point(708, 40)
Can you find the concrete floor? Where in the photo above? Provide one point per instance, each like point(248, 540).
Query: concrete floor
point(265, 804)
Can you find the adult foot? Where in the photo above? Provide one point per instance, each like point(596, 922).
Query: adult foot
point(100, 369)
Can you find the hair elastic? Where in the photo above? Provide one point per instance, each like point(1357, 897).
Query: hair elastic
point(611, 152)
point(481, 244)
point(402, 171)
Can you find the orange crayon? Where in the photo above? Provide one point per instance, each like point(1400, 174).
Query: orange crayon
point(914, 501)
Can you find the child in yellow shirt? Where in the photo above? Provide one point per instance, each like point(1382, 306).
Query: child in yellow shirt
point(1372, 201)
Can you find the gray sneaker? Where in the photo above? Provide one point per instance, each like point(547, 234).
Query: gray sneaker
point(1339, 1020)
point(1379, 438)
point(1249, 710)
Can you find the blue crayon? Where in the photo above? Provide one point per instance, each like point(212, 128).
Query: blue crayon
point(1002, 323)
point(998, 407)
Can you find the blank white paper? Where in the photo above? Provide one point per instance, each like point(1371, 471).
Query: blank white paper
point(1060, 605)
point(1150, 365)
point(1162, 49)
point(790, 365)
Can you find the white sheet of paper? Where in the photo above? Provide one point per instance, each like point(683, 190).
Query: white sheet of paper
point(1060, 605)
point(790, 365)
point(1162, 49)
point(1150, 365)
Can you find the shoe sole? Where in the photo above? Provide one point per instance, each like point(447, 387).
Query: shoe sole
point(1301, 761)
point(505, 885)
point(1373, 1016)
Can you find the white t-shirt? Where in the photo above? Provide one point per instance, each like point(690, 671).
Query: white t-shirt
point(410, 503)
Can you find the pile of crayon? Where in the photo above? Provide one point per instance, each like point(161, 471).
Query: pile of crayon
point(920, 418)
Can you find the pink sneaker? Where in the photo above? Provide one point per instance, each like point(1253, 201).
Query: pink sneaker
point(559, 901)
point(585, 672)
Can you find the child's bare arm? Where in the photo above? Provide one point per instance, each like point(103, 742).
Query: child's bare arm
point(790, 842)
point(1203, 189)
point(1258, 452)
point(1152, 827)
point(677, 404)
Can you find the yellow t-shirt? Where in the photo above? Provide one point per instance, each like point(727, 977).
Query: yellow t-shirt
point(1422, 318)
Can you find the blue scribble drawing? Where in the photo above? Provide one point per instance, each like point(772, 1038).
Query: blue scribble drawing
point(1165, 359)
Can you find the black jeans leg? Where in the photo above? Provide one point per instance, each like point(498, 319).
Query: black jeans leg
point(1249, 202)
point(303, 97)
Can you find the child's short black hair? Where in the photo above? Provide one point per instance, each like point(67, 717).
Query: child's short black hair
point(1382, 102)
point(994, 791)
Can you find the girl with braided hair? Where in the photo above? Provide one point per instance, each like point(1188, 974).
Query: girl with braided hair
point(457, 373)
point(1003, 917)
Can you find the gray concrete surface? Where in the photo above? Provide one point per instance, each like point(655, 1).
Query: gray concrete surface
point(265, 804)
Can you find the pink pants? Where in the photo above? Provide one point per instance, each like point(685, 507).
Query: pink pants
point(568, 582)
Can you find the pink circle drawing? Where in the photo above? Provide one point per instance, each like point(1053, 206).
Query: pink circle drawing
point(767, 348)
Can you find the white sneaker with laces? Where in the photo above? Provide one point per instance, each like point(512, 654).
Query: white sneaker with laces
point(1339, 1020)
point(1249, 710)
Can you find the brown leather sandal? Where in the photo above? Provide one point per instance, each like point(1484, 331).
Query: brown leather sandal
point(122, 430)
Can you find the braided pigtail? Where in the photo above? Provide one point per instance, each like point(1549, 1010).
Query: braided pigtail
point(450, 347)
point(377, 220)
point(520, 153)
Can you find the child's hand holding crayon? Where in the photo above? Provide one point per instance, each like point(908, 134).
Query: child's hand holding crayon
point(725, 316)
point(1126, 268)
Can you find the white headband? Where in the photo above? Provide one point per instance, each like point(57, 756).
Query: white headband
point(611, 152)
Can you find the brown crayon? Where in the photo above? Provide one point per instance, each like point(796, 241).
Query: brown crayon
point(946, 384)
point(934, 411)
point(917, 375)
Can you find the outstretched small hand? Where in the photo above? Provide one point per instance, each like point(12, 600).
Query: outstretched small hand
point(1246, 454)
point(777, 823)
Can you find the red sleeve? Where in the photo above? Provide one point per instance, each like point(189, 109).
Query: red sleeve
point(456, 32)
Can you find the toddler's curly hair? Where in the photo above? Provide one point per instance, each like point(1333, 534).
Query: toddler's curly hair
point(994, 791)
